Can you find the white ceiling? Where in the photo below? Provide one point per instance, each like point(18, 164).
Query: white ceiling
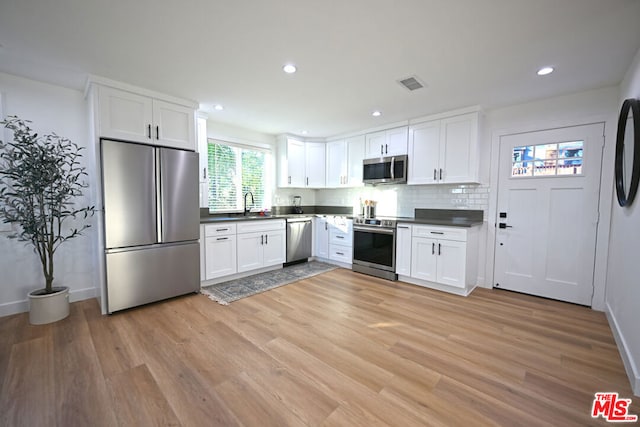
point(349, 53)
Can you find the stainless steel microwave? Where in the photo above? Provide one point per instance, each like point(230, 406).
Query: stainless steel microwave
point(385, 170)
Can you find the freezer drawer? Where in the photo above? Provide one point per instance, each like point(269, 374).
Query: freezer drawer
point(141, 276)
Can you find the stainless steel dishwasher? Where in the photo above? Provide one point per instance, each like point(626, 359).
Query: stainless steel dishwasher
point(299, 236)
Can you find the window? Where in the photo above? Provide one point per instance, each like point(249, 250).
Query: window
point(235, 170)
point(562, 158)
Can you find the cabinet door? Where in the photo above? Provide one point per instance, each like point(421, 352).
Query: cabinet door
point(315, 164)
point(458, 155)
point(403, 250)
point(274, 248)
point(355, 155)
point(375, 144)
point(174, 125)
point(295, 164)
point(424, 257)
point(396, 142)
point(220, 256)
point(321, 237)
point(124, 115)
point(250, 251)
point(451, 263)
point(424, 153)
point(336, 164)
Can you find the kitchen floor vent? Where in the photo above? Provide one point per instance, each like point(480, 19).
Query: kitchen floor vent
point(411, 83)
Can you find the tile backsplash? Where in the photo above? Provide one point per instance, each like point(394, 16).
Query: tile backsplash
point(401, 200)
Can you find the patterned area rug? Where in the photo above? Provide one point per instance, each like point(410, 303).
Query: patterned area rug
point(233, 290)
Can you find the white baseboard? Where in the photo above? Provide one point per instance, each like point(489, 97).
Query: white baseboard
point(437, 286)
point(22, 306)
point(630, 365)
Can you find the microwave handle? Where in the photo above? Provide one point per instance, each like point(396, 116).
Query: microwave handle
point(393, 160)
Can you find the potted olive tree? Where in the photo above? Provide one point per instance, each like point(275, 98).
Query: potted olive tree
point(40, 178)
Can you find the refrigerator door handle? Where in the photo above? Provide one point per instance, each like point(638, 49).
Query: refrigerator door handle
point(158, 175)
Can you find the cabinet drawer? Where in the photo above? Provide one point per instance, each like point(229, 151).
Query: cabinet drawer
point(446, 233)
point(339, 237)
point(222, 229)
point(260, 226)
point(341, 253)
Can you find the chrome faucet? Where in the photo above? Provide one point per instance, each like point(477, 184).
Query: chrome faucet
point(245, 202)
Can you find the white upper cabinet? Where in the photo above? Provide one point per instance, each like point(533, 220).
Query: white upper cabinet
point(301, 164)
point(424, 153)
point(296, 163)
point(444, 151)
point(391, 142)
point(355, 154)
point(344, 162)
point(132, 117)
point(459, 149)
point(315, 164)
point(336, 164)
point(174, 125)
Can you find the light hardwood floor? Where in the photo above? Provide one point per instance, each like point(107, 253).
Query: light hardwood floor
point(338, 349)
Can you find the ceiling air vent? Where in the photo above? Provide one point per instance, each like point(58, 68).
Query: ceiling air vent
point(411, 83)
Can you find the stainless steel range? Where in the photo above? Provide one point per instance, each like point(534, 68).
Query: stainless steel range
point(374, 247)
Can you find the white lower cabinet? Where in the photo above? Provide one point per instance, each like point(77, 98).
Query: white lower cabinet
point(333, 239)
point(260, 244)
point(443, 258)
point(403, 249)
point(321, 237)
point(220, 250)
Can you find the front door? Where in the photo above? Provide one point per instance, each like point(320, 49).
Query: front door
point(548, 193)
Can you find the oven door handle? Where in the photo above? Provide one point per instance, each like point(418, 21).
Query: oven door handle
point(375, 229)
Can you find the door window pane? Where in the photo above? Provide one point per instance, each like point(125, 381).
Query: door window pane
point(563, 158)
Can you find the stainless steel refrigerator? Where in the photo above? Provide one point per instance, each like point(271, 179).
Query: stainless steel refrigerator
point(151, 223)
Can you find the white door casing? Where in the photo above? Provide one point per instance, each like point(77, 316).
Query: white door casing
point(548, 248)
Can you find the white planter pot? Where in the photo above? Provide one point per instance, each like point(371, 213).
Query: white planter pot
point(48, 308)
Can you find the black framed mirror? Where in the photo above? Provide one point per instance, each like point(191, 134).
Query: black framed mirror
point(627, 167)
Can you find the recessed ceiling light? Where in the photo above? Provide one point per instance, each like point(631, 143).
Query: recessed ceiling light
point(545, 70)
point(218, 107)
point(304, 132)
point(376, 113)
point(289, 68)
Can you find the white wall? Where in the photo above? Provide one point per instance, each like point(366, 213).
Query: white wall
point(623, 269)
point(63, 111)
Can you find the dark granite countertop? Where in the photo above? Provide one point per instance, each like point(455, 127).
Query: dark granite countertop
point(454, 222)
point(444, 217)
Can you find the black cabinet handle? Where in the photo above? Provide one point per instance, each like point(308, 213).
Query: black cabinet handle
point(149, 130)
point(339, 237)
point(386, 149)
point(402, 226)
point(436, 232)
point(435, 175)
point(222, 229)
point(157, 132)
point(289, 179)
point(340, 253)
point(222, 238)
point(381, 149)
point(262, 239)
point(439, 249)
point(433, 248)
point(266, 239)
point(441, 174)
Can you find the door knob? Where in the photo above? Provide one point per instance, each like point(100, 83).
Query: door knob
point(504, 225)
